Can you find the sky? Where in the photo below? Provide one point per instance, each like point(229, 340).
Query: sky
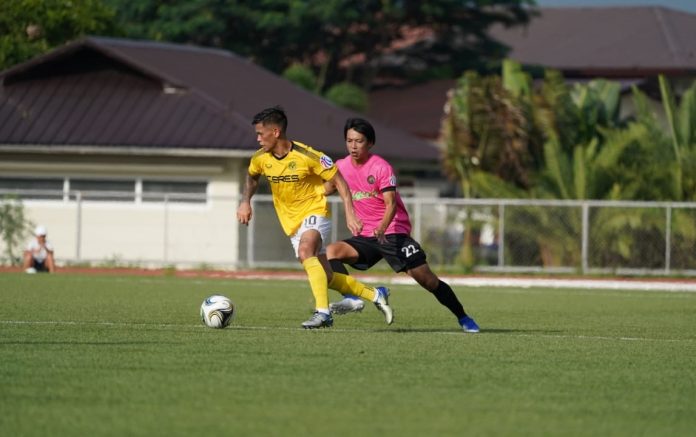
point(684, 5)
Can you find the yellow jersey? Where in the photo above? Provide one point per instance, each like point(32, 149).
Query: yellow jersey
point(297, 183)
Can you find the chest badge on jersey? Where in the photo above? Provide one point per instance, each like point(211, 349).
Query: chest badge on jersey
point(370, 179)
point(292, 165)
point(268, 165)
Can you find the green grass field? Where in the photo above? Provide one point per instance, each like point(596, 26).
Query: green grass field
point(128, 356)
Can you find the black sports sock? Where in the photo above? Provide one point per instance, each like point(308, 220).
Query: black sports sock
point(446, 296)
point(338, 267)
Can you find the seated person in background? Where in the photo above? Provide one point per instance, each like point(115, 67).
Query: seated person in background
point(38, 256)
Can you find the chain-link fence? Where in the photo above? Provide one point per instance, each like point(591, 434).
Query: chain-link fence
point(457, 234)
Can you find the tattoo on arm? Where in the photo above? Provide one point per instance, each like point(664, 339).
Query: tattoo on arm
point(250, 186)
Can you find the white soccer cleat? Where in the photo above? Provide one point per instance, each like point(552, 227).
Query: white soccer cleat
point(318, 320)
point(382, 304)
point(347, 305)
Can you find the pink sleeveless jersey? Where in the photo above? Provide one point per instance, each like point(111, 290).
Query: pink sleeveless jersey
point(366, 183)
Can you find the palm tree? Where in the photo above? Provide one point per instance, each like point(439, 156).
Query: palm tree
point(503, 139)
point(681, 121)
point(486, 130)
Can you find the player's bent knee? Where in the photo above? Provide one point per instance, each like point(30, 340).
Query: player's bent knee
point(425, 278)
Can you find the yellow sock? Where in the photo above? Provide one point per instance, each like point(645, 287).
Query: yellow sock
point(346, 284)
point(317, 282)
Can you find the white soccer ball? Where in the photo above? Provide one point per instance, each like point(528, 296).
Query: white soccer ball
point(217, 311)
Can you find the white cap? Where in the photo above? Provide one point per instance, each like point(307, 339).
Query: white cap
point(40, 231)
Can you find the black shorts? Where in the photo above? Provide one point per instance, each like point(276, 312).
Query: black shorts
point(401, 252)
point(39, 266)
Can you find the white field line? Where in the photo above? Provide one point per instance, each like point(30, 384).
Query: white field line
point(512, 282)
point(596, 284)
point(290, 329)
point(688, 286)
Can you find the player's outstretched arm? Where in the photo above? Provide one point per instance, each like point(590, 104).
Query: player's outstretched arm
point(354, 224)
point(389, 198)
point(329, 188)
point(244, 210)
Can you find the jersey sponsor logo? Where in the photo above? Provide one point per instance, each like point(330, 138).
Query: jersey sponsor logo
point(370, 179)
point(326, 162)
point(359, 195)
point(392, 180)
point(286, 178)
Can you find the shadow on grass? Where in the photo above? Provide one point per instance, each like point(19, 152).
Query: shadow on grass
point(456, 331)
point(394, 330)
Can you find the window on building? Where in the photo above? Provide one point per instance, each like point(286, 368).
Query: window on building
point(34, 188)
point(188, 192)
point(107, 190)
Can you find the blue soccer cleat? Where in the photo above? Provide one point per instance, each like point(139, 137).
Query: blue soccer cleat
point(469, 325)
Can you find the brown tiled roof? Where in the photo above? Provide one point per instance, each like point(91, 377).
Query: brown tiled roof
point(627, 44)
point(607, 41)
point(105, 92)
point(418, 109)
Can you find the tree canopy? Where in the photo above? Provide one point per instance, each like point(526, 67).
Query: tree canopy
point(31, 27)
point(343, 40)
point(340, 40)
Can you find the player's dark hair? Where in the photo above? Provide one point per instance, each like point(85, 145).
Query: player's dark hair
point(274, 115)
point(362, 126)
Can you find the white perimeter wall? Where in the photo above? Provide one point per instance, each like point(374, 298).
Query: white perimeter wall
point(148, 234)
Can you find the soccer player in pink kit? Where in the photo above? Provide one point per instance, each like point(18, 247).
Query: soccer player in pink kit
point(386, 231)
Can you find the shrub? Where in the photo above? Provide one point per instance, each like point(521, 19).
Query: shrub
point(348, 96)
point(302, 76)
point(13, 227)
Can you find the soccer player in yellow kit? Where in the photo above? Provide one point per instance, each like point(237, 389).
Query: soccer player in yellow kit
point(296, 174)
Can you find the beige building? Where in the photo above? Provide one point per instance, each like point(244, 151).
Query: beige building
point(134, 152)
